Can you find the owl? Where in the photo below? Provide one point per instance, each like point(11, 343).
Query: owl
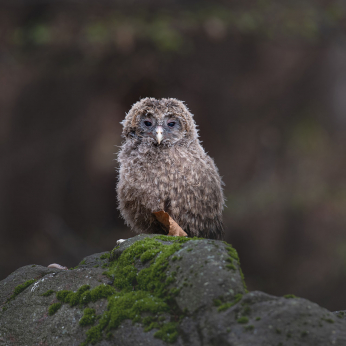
point(163, 166)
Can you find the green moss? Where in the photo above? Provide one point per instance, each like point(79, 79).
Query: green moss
point(258, 318)
point(234, 256)
point(20, 288)
point(134, 292)
point(289, 296)
point(227, 305)
point(88, 318)
point(243, 279)
point(149, 255)
point(148, 278)
point(232, 252)
point(231, 266)
point(249, 328)
point(105, 255)
point(48, 293)
point(278, 331)
point(247, 310)
point(174, 291)
point(170, 279)
point(146, 290)
point(168, 332)
point(84, 295)
point(151, 326)
point(341, 314)
point(329, 320)
point(108, 275)
point(217, 302)
point(72, 298)
point(128, 305)
point(137, 292)
point(54, 308)
point(96, 265)
point(83, 262)
point(243, 320)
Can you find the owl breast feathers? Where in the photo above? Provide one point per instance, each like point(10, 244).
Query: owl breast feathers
point(164, 167)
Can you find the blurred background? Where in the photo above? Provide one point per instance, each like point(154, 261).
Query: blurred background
point(266, 81)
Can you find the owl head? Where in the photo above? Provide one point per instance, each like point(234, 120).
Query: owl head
point(163, 122)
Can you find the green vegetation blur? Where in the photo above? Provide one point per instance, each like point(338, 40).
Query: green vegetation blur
point(266, 81)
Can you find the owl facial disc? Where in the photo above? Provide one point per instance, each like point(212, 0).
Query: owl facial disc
point(159, 134)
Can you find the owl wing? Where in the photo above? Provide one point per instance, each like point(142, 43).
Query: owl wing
point(201, 201)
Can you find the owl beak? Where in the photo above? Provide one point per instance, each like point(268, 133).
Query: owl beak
point(159, 134)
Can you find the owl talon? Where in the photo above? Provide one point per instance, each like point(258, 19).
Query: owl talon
point(169, 224)
point(119, 241)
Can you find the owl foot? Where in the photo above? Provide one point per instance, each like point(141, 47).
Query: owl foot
point(119, 241)
point(169, 224)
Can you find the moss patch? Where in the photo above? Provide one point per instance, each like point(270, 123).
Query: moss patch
point(233, 256)
point(329, 320)
point(105, 255)
point(142, 296)
point(48, 293)
point(20, 288)
point(54, 308)
point(341, 314)
point(227, 305)
point(289, 296)
point(88, 317)
point(243, 320)
point(168, 332)
point(84, 295)
point(249, 328)
point(142, 291)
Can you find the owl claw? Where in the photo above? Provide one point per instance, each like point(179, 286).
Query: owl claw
point(169, 224)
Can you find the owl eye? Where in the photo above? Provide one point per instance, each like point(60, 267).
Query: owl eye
point(147, 123)
point(171, 124)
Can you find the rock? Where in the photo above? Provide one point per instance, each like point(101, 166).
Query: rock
point(156, 290)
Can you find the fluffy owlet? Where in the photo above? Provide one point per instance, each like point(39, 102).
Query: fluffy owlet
point(164, 167)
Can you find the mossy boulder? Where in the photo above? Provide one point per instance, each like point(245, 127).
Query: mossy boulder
point(157, 290)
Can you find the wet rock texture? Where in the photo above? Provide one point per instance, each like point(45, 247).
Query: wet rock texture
point(217, 308)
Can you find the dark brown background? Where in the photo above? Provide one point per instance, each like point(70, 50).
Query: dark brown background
point(266, 81)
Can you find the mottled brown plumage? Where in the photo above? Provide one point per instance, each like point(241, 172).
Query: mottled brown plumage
point(164, 167)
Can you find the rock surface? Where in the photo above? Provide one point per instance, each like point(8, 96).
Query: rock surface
point(202, 301)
